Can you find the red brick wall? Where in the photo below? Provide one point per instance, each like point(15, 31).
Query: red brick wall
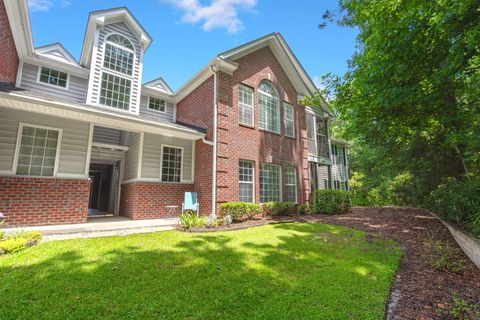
point(145, 200)
point(8, 52)
point(43, 201)
point(237, 142)
point(203, 176)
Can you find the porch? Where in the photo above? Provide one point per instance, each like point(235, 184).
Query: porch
point(101, 227)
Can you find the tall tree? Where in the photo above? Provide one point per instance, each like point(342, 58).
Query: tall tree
point(410, 99)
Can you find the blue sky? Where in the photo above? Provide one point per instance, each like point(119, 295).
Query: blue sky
point(188, 33)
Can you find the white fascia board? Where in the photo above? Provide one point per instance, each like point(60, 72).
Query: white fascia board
point(100, 117)
point(150, 92)
point(17, 12)
point(67, 57)
point(75, 70)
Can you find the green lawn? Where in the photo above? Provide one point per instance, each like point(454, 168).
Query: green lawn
point(285, 271)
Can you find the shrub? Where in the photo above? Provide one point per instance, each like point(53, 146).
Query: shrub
point(458, 202)
point(279, 208)
point(239, 210)
point(440, 255)
point(331, 201)
point(189, 219)
point(303, 209)
point(20, 240)
point(460, 309)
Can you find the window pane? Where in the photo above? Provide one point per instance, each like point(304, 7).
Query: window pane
point(38, 160)
point(112, 86)
point(290, 184)
point(118, 59)
point(245, 180)
point(288, 118)
point(156, 104)
point(269, 112)
point(171, 164)
point(245, 105)
point(53, 77)
point(269, 183)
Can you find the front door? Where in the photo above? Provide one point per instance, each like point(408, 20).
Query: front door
point(100, 202)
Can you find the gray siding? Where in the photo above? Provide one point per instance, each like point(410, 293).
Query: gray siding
point(322, 174)
point(131, 157)
point(152, 155)
point(77, 87)
point(106, 135)
point(96, 64)
point(73, 148)
point(145, 112)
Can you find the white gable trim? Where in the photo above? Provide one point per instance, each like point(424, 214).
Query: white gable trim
point(19, 20)
point(45, 50)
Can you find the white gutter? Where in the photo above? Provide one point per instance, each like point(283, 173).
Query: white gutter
point(214, 162)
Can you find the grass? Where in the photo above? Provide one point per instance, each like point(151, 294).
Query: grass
point(285, 271)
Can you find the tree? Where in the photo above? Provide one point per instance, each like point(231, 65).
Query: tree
point(410, 99)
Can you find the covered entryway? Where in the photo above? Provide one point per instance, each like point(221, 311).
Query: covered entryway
point(104, 181)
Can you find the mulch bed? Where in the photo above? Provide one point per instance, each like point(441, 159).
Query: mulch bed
point(419, 291)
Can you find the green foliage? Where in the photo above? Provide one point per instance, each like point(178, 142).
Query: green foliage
point(460, 309)
point(279, 208)
point(239, 210)
point(409, 102)
point(440, 255)
point(189, 219)
point(303, 209)
point(458, 202)
point(19, 241)
point(331, 201)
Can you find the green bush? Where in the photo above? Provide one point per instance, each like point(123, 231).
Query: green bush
point(239, 210)
point(20, 240)
point(441, 256)
point(189, 219)
point(303, 209)
point(331, 201)
point(279, 208)
point(458, 202)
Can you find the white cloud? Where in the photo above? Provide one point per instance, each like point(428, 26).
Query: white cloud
point(218, 14)
point(46, 5)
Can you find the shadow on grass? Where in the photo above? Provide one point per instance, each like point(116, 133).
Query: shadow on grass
point(286, 271)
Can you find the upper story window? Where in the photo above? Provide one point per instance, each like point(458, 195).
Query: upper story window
point(268, 107)
point(245, 105)
point(288, 119)
point(118, 54)
point(53, 77)
point(156, 104)
point(116, 85)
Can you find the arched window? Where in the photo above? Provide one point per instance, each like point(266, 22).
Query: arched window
point(268, 107)
point(118, 54)
point(118, 62)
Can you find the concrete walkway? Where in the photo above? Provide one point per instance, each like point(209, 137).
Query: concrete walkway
point(100, 227)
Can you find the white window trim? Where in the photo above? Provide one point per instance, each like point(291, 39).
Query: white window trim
point(295, 185)
point(120, 47)
point(181, 162)
point(253, 179)
point(278, 109)
point(165, 105)
point(39, 72)
point(21, 125)
point(288, 105)
point(100, 91)
point(251, 125)
point(280, 177)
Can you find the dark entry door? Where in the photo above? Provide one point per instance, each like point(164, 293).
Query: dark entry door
point(94, 189)
point(101, 179)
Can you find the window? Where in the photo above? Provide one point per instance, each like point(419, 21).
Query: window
point(288, 120)
point(53, 77)
point(37, 151)
point(156, 104)
point(290, 184)
point(115, 91)
point(268, 107)
point(245, 105)
point(245, 181)
point(171, 164)
point(270, 184)
point(116, 86)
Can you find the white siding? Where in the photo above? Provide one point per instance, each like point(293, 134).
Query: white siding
point(97, 61)
point(152, 155)
point(131, 158)
point(73, 149)
point(145, 112)
point(322, 174)
point(106, 135)
point(77, 87)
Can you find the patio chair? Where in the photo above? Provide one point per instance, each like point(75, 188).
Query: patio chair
point(190, 202)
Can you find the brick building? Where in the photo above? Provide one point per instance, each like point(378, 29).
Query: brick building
point(86, 138)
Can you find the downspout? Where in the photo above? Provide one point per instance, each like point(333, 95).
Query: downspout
point(213, 68)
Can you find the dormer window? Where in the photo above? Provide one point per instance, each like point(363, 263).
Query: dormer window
point(117, 72)
point(53, 77)
point(156, 104)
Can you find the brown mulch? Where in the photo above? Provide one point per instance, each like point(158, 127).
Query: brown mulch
point(419, 291)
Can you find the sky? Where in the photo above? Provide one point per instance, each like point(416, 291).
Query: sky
point(188, 33)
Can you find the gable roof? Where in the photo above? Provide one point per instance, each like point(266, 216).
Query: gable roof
point(225, 61)
point(19, 21)
point(159, 85)
point(103, 17)
point(56, 51)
